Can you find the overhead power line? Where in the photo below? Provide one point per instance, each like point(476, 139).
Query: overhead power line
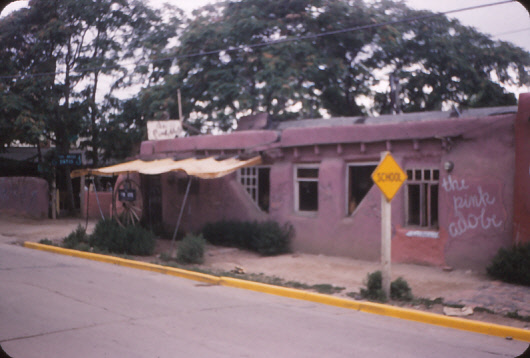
point(270, 43)
point(512, 32)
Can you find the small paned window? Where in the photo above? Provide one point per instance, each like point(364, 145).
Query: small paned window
point(306, 189)
point(422, 197)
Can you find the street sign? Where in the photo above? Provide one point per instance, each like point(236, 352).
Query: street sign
point(389, 176)
point(126, 195)
point(72, 159)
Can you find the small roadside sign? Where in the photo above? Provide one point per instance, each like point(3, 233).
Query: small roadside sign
point(389, 176)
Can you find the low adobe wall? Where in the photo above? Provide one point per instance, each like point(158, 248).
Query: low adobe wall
point(25, 196)
point(97, 205)
point(521, 213)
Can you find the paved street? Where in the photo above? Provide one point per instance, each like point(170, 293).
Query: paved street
point(58, 306)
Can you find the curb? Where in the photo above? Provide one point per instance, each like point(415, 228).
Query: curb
point(367, 307)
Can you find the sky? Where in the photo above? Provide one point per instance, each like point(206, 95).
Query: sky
point(507, 22)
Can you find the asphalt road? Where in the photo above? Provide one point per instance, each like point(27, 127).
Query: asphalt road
point(59, 306)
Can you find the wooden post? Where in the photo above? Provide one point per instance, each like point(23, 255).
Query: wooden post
point(173, 249)
point(180, 105)
point(386, 244)
point(389, 177)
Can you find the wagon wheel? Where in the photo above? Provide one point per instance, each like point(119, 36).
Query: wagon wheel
point(127, 203)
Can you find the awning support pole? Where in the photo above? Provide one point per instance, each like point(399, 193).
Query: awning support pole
point(180, 217)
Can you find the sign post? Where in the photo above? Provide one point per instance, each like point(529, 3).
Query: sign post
point(389, 177)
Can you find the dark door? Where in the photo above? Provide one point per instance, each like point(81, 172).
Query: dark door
point(152, 191)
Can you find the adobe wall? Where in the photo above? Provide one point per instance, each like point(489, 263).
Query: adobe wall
point(216, 199)
point(96, 204)
point(25, 196)
point(521, 215)
point(475, 196)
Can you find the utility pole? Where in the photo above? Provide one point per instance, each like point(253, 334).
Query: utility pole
point(395, 89)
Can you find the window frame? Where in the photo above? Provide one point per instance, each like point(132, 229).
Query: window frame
point(254, 195)
point(426, 221)
point(348, 184)
point(297, 181)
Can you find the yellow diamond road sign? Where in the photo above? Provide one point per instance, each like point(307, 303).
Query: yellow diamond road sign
point(389, 176)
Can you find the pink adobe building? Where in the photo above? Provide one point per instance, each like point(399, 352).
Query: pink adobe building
point(467, 193)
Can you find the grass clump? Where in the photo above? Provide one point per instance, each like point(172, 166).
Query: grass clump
point(512, 265)
point(46, 241)
point(191, 249)
point(266, 238)
point(77, 239)
point(399, 289)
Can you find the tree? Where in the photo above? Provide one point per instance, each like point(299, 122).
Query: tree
point(54, 56)
point(243, 57)
point(441, 61)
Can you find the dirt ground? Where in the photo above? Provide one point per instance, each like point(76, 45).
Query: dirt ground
point(459, 287)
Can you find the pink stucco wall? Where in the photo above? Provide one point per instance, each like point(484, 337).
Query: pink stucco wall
point(190, 145)
point(24, 196)
point(217, 199)
point(522, 171)
point(95, 209)
point(475, 197)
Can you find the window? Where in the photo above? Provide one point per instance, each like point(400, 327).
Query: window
point(256, 181)
point(422, 197)
point(306, 188)
point(359, 183)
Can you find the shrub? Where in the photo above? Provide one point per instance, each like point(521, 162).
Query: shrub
point(109, 236)
point(266, 238)
point(272, 239)
point(512, 266)
point(77, 238)
point(374, 287)
point(191, 249)
point(139, 241)
point(399, 288)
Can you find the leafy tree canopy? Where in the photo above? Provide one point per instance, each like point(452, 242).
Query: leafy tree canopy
point(237, 58)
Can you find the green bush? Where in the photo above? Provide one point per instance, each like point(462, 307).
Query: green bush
point(513, 265)
point(109, 236)
point(271, 238)
point(191, 249)
point(139, 241)
point(399, 288)
point(76, 239)
point(266, 238)
point(374, 287)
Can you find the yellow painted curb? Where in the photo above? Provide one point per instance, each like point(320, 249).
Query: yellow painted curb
point(384, 310)
point(197, 276)
point(368, 307)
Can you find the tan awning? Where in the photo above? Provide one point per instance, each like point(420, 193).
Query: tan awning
point(207, 168)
